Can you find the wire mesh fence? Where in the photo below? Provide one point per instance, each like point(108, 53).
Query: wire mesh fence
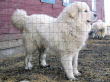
point(41, 33)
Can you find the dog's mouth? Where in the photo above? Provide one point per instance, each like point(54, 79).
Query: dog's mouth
point(88, 21)
point(91, 21)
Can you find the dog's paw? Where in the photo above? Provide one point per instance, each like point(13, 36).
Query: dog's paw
point(44, 64)
point(77, 73)
point(29, 66)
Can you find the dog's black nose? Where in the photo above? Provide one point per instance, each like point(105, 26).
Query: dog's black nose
point(95, 15)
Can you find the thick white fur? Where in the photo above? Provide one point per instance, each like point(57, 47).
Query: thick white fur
point(66, 34)
point(99, 29)
point(20, 17)
point(19, 20)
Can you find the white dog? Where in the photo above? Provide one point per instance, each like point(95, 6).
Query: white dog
point(99, 29)
point(66, 34)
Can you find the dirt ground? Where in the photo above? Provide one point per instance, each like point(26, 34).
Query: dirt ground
point(94, 64)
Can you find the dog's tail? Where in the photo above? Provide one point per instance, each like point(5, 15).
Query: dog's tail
point(18, 19)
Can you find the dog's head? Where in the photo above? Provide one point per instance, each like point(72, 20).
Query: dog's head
point(99, 29)
point(80, 11)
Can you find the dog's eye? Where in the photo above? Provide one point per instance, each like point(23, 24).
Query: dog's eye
point(85, 11)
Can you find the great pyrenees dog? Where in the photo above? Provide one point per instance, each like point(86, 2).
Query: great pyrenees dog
point(99, 30)
point(66, 34)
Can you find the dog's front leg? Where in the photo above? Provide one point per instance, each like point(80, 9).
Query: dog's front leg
point(75, 65)
point(66, 61)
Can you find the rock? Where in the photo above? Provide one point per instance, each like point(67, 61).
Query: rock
point(24, 81)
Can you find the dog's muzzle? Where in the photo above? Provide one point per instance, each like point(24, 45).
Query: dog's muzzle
point(94, 16)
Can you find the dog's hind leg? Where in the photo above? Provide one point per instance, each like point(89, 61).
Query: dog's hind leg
point(43, 62)
point(28, 64)
point(66, 61)
point(29, 48)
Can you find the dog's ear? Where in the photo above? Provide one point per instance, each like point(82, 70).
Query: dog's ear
point(73, 11)
point(75, 8)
